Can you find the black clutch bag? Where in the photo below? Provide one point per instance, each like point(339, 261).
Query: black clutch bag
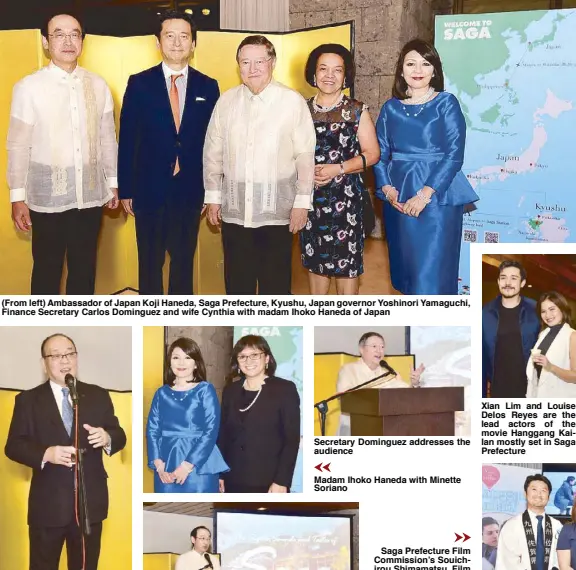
point(368, 216)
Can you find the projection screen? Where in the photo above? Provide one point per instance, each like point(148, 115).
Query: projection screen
point(263, 541)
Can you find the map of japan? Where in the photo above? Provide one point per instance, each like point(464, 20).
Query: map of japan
point(513, 74)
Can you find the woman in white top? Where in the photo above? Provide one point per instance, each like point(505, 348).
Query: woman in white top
point(371, 347)
point(551, 370)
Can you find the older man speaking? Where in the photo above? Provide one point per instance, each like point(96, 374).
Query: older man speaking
point(372, 350)
point(259, 173)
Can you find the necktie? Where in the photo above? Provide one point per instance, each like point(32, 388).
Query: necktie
point(67, 411)
point(540, 544)
point(175, 106)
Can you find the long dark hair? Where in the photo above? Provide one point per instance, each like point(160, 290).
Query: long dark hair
point(560, 301)
point(252, 341)
point(191, 349)
point(429, 53)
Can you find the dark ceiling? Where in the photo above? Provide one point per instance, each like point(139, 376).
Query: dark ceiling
point(551, 272)
point(107, 17)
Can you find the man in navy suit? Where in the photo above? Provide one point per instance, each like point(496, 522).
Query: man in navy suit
point(163, 123)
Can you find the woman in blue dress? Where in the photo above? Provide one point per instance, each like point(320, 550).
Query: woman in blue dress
point(422, 133)
point(183, 426)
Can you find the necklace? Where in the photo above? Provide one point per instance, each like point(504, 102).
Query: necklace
point(319, 109)
point(183, 392)
point(253, 401)
point(421, 101)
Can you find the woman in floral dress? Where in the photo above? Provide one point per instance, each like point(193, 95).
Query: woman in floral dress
point(332, 242)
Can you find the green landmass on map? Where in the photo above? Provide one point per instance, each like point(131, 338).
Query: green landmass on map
point(457, 54)
point(534, 223)
point(285, 350)
point(548, 37)
point(491, 115)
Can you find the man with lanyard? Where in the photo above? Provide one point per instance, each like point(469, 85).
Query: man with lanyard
point(528, 541)
point(510, 328)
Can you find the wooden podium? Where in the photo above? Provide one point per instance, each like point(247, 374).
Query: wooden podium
point(403, 411)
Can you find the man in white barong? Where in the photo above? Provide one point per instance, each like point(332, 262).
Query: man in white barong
point(372, 349)
point(199, 558)
point(62, 161)
point(259, 173)
point(528, 541)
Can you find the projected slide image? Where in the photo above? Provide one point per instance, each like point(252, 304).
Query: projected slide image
point(563, 479)
point(251, 536)
point(446, 352)
point(283, 542)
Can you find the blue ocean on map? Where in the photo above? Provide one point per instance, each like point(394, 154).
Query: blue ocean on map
point(515, 77)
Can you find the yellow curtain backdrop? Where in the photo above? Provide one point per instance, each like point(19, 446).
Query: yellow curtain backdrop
point(164, 561)
point(15, 480)
point(153, 367)
point(115, 59)
point(326, 367)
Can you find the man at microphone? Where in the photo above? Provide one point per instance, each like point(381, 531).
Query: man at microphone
point(372, 349)
point(41, 436)
point(199, 558)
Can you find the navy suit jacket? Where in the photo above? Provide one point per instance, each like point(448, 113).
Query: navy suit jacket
point(36, 425)
point(529, 329)
point(149, 143)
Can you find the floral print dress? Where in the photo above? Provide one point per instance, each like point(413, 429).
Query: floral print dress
point(332, 241)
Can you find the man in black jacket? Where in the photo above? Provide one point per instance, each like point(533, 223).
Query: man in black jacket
point(510, 328)
point(41, 436)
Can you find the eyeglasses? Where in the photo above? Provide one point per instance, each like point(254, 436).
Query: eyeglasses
point(61, 357)
point(380, 346)
point(61, 36)
point(245, 357)
point(259, 63)
point(172, 37)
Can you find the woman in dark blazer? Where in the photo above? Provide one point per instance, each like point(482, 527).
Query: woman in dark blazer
point(260, 426)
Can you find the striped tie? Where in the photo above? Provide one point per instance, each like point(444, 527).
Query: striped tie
point(67, 411)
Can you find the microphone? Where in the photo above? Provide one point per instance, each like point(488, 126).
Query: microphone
point(388, 368)
point(71, 384)
point(207, 557)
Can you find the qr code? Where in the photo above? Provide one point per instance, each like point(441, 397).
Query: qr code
point(491, 237)
point(471, 236)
